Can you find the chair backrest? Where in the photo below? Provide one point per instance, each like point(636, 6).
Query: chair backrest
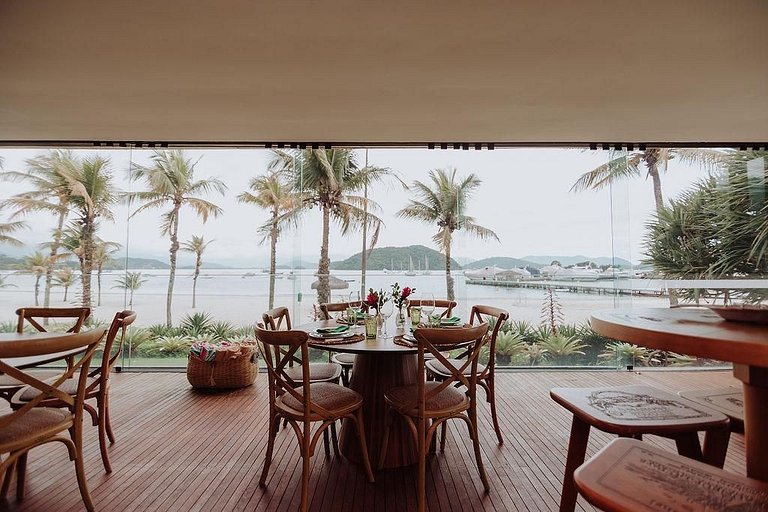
point(118, 327)
point(481, 313)
point(435, 341)
point(446, 305)
point(31, 315)
point(278, 349)
point(88, 342)
point(332, 307)
point(277, 319)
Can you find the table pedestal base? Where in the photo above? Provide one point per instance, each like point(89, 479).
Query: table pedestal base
point(755, 385)
point(372, 376)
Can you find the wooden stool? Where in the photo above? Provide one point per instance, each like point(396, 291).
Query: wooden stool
point(632, 476)
point(728, 400)
point(631, 411)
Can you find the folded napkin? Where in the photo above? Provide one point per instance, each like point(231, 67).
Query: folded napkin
point(452, 320)
point(333, 330)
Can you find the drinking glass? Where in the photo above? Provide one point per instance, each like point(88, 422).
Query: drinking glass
point(428, 304)
point(386, 311)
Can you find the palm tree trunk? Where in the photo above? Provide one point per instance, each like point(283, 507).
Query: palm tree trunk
point(172, 276)
point(86, 260)
point(448, 277)
point(272, 259)
point(130, 299)
point(364, 253)
point(66, 290)
point(98, 285)
point(324, 266)
point(198, 264)
point(37, 289)
point(52, 258)
point(652, 162)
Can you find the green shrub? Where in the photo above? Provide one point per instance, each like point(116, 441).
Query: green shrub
point(167, 346)
point(197, 324)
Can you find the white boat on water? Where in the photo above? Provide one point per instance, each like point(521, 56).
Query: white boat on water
point(574, 273)
point(426, 271)
point(484, 273)
point(410, 271)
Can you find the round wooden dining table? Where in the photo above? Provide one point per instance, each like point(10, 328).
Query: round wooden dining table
point(380, 365)
point(701, 332)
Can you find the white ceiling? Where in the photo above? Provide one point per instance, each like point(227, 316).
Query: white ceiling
point(362, 71)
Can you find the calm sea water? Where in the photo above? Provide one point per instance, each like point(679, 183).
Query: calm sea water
point(241, 295)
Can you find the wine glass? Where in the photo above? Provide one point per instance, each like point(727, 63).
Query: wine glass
point(428, 304)
point(354, 306)
point(386, 311)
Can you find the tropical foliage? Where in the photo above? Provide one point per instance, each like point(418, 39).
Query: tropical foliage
point(65, 278)
point(171, 183)
point(130, 282)
point(273, 193)
point(444, 202)
point(196, 245)
point(717, 229)
point(329, 179)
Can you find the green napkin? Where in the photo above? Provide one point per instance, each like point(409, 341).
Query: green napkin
point(333, 330)
point(452, 320)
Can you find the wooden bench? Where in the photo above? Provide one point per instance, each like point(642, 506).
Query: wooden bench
point(632, 476)
point(728, 400)
point(632, 411)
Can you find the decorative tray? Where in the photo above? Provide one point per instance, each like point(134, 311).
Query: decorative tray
point(749, 314)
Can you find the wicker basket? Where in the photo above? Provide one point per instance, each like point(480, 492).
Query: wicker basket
point(233, 368)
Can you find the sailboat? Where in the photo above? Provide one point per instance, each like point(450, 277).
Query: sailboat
point(426, 266)
point(410, 272)
point(391, 266)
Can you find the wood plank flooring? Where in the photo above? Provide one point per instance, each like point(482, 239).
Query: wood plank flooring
point(181, 450)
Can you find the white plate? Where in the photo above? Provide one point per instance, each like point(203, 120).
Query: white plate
point(323, 336)
point(409, 337)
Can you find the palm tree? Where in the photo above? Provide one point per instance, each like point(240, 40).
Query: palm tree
point(196, 246)
point(7, 228)
point(102, 253)
point(51, 177)
point(328, 179)
point(656, 161)
point(171, 182)
point(36, 265)
point(273, 193)
point(91, 200)
point(64, 277)
point(444, 203)
point(131, 281)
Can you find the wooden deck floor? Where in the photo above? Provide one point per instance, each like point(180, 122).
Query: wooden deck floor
point(182, 450)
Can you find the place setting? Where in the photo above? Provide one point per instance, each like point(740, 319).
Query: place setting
point(339, 335)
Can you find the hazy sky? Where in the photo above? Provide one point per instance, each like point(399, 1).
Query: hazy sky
point(524, 198)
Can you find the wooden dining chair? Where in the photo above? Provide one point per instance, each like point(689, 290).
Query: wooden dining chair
point(30, 426)
point(633, 411)
point(346, 361)
point(34, 318)
point(302, 402)
point(97, 387)
point(629, 475)
point(280, 319)
point(486, 374)
point(444, 304)
point(427, 404)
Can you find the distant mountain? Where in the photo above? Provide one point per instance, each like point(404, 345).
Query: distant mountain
point(137, 264)
point(572, 260)
point(502, 262)
point(205, 265)
point(398, 257)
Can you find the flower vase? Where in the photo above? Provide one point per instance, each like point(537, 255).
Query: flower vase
point(400, 318)
point(379, 322)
